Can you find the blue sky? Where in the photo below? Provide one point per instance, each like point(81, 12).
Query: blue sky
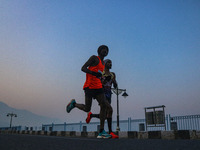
point(154, 46)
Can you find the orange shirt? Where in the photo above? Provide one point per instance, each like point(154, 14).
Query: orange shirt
point(92, 82)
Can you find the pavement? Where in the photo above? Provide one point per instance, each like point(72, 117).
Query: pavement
point(43, 142)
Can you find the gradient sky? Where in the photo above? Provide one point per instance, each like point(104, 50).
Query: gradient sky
point(154, 46)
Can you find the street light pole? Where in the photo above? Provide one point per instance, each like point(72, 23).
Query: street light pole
point(118, 92)
point(11, 115)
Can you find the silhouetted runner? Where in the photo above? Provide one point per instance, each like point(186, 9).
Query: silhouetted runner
point(93, 88)
point(108, 79)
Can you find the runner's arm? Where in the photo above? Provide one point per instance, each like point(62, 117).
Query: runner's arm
point(92, 61)
point(114, 81)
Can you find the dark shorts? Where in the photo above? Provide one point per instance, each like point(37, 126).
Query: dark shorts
point(93, 92)
point(108, 95)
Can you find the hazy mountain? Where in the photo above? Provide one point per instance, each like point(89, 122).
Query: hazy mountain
point(24, 117)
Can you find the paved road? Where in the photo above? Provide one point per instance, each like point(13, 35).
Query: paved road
point(35, 142)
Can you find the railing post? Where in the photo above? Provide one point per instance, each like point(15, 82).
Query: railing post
point(52, 127)
point(65, 126)
point(170, 122)
point(128, 124)
point(166, 122)
point(80, 126)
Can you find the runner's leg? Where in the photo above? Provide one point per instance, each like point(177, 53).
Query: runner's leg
point(109, 112)
point(87, 106)
point(101, 100)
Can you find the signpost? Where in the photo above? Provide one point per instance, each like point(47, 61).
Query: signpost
point(155, 116)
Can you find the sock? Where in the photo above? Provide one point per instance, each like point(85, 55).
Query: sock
point(109, 120)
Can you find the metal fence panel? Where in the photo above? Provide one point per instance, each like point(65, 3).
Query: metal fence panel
point(189, 122)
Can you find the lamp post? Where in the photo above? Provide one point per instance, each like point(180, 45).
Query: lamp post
point(118, 92)
point(11, 115)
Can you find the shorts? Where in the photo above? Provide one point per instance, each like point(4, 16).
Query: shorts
point(93, 92)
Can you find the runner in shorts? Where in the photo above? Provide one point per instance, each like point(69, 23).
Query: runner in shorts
point(93, 89)
point(108, 79)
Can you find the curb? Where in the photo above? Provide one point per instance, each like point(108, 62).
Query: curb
point(166, 135)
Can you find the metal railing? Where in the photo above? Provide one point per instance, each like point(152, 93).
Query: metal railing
point(189, 122)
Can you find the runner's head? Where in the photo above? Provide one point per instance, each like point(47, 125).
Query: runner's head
point(108, 63)
point(103, 50)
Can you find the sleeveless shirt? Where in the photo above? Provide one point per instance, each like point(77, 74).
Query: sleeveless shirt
point(107, 84)
point(92, 82)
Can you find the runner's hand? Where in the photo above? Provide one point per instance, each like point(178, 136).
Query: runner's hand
point(97, 74)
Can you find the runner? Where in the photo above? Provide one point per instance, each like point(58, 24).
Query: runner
point(108, 79)
point(93, 88)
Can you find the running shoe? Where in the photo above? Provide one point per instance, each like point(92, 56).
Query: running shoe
point(88, 117)
point(114, 136)
point(104, 135)
point(71, 105)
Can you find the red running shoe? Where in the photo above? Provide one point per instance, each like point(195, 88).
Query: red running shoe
point(114, 136)
point(88, 117)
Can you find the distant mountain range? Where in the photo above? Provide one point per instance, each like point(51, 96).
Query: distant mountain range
point(24, 117)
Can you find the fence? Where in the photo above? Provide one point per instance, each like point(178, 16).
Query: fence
point(21, 128)
point(190, 122)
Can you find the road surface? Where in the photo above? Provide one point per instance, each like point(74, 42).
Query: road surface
point(38, 142)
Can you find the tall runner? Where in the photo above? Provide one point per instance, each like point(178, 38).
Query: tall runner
point(93, 88)
point(108, 79)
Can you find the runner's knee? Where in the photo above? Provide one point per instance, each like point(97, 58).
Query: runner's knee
point(109, 112)
point(87, 109)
